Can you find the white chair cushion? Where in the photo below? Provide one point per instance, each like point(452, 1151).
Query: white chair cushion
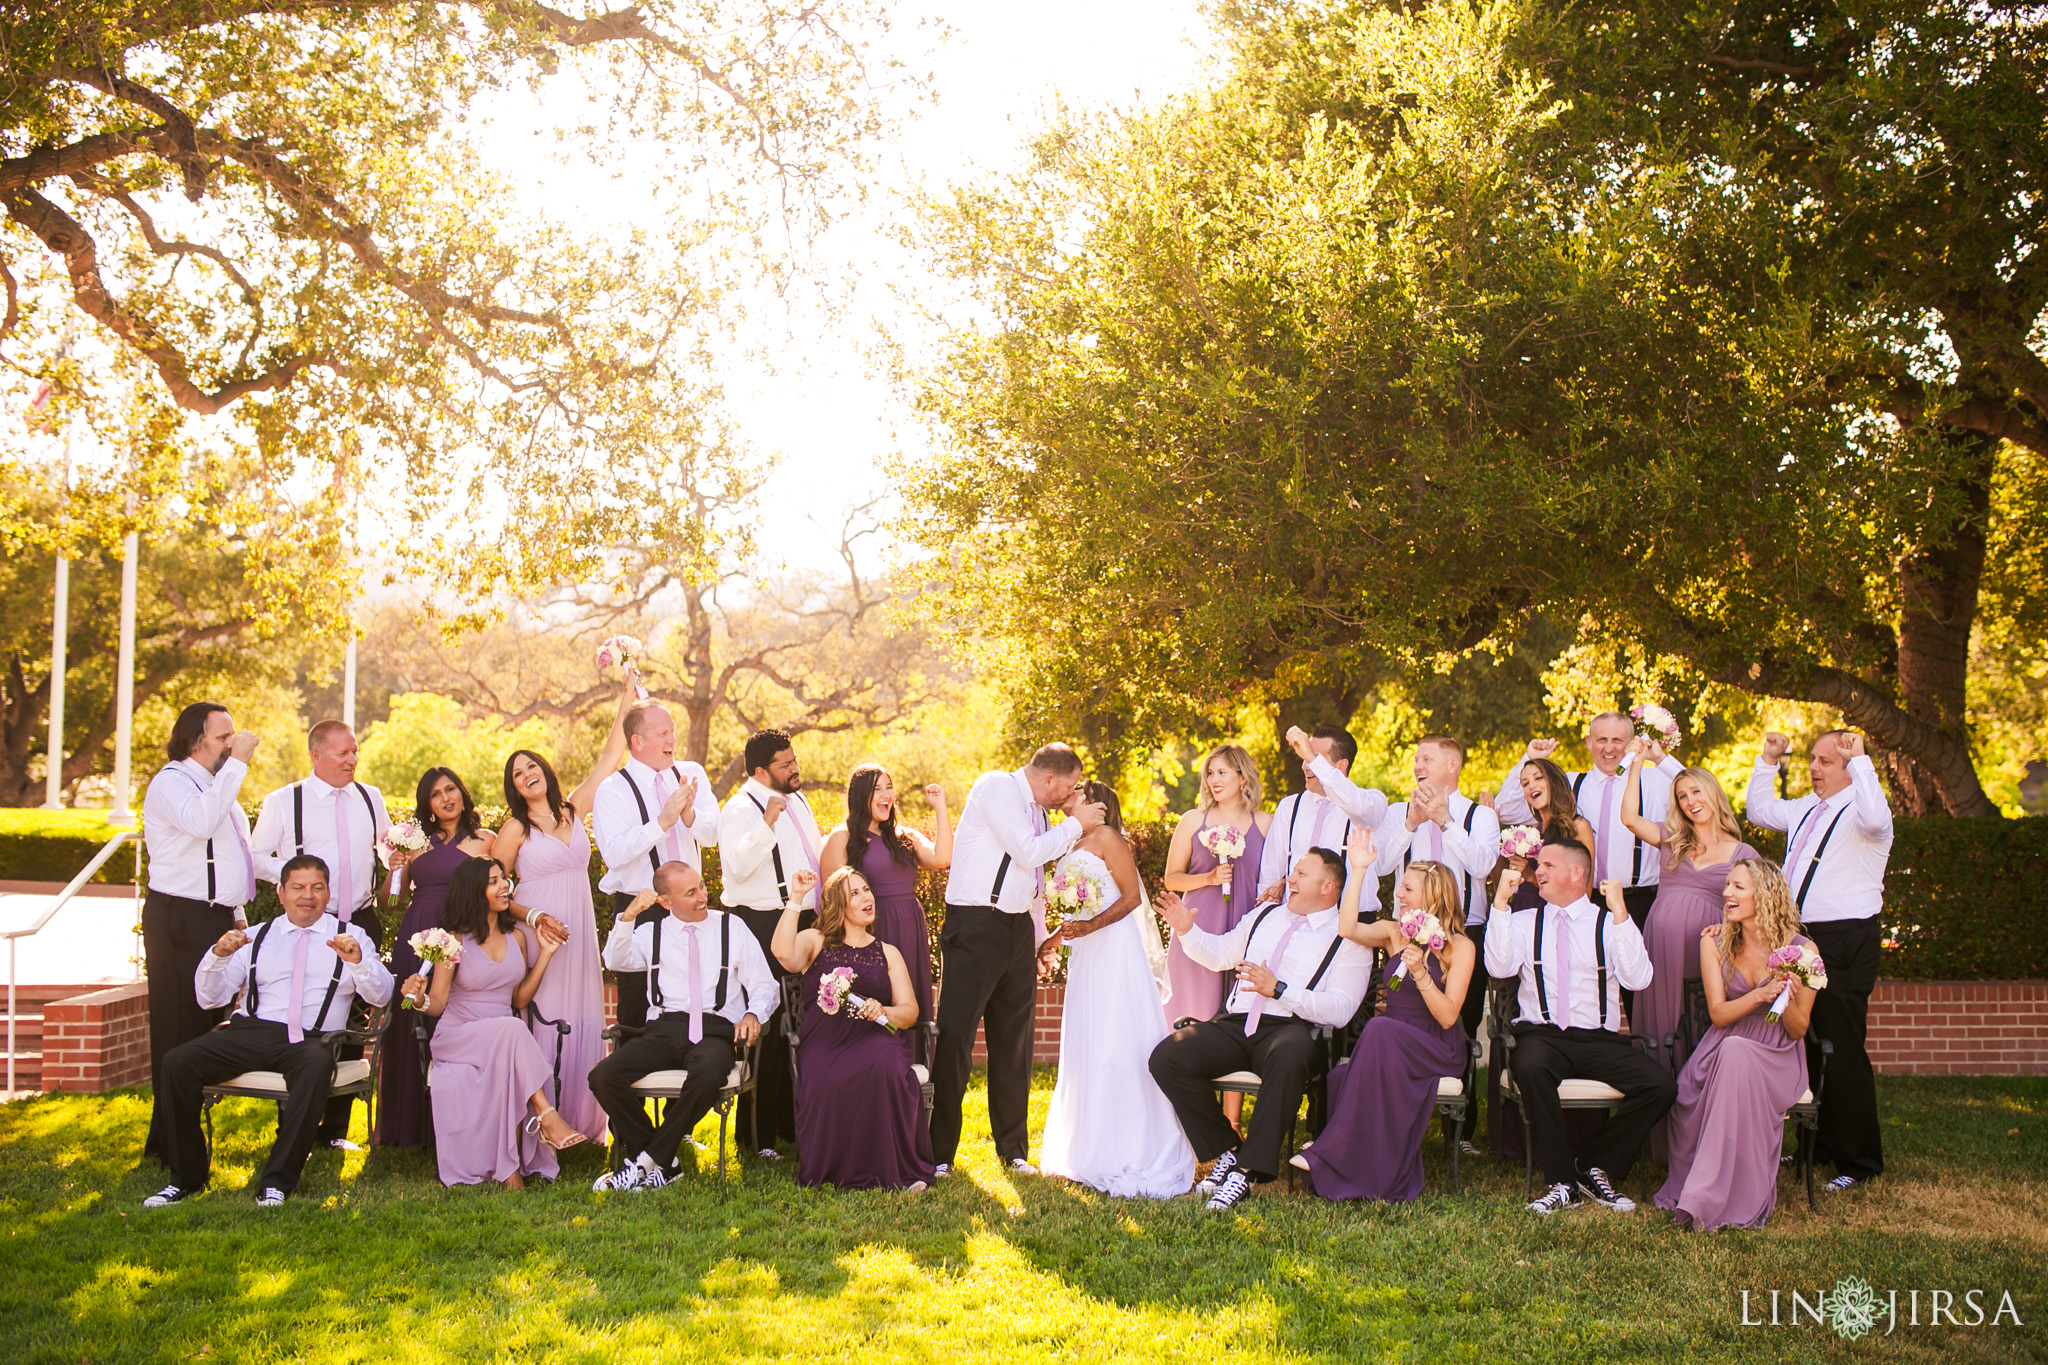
point(924, 1077)
point(1450, 1087)
point(1805, 1097)
point(655, 1081)
point(1238, 1078)
point(348, 1073)
point(1588, 1092)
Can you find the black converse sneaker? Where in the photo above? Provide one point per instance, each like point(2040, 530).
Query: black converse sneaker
point(1595, 1185)
point(169, 1194)
point(1210, 1183)
point(1842, 1183)
point(624, 1178)
point(1555, 1198)
point(1235, 1187)
point(271, 1198)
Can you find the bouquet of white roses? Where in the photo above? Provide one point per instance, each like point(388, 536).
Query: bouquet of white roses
point(1802, 961)
point(1420, 927)
point(1227, 843)
point(404, 836)
point(434, 948)
point(620, 650)
point(1656, 723)
point(1520, 842)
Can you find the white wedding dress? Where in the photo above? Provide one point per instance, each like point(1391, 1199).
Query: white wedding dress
point(1109, 1126)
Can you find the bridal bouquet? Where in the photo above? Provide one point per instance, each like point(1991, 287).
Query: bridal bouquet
point(1423, 928)
point(1656, 723)
point(404, 836)
point(1227, 843)
point(1802, 961)
point(1520, 842)
point(1072, 893)
point(435, 948)
point(835, 992)
point(620, 650)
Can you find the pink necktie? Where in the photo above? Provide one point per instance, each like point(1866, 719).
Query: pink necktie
point(1038, 823)
point(1315, 840)
point(1820, 813)
point(1251, 1016)
point(796, 803)
point(1436, 841)
point(696, 990)
point(1564, 969)
point(1606, 828)
point(344, 891)
point(675, 831)
point(294, 1026)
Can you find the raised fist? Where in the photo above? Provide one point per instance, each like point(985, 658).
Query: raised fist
point(1542, 748)
point(346, 948)
point(243, 745)
point(773, 811)
point(1775, 746)
point(935, 796)
point(1510, 882)
point(800, 884)
point(1297, 740)
point(1849, 745)
point(231, 940)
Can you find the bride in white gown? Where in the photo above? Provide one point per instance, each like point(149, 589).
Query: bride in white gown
point(1110, 1127)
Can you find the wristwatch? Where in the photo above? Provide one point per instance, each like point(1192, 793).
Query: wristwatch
point(1279, 988)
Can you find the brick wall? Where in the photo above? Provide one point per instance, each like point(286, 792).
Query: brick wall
point(1959, 1028)
point(97, 1041)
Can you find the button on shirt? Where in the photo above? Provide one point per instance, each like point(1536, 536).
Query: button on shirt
point(220, 978)
point(275, 841)
point(185, 808)
point(747, 848)
point(1511, 951)
point(625, 838)
point(1470, 856)
point(1305, 820)
point(1002, 820)
point(1335, 998)
point(1848, 883)
point(751, 990)
point(1622, 856)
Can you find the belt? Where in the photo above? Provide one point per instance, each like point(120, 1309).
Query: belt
point(166, 896)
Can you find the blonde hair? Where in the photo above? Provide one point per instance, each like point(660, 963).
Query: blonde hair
point(832, 903)
point(1681, 840)
point(1442, 897)
point(1777, 913)
point(1239, 762)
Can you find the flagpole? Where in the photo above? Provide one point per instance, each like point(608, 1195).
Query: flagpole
point(124, 704)
point(60, 628)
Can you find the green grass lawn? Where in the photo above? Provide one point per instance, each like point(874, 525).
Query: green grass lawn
point(375, 1261)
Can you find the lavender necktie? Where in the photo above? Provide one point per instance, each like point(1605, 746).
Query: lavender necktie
point(797, 803)
point(675, 831)
point(1564, 969)
point(1436, 841)
point(696, 989)
point(1606, 827)
point(294, 1027)
point(1038, 824)
point(1251, 1016)
point(344, 891)
point(1820, 813)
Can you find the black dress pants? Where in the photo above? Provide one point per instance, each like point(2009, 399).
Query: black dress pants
point(769, 1114)
point(666, 1046)
point(1187, 1062)
point(633, 985)
point(366, 924)
point(1850, 1135)
point(176, 933)
point(243, 1044)
point(1544, 1055)
point(988, 976)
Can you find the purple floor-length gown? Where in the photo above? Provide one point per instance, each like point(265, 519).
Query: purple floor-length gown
point(1727, 1128)
point(1195, 991)
point(1688, 900)
point(899, 918)
point(486, 1065)
point(555, 877)
point(859, 1115)
point(1382, 1099)
point(401, 1094)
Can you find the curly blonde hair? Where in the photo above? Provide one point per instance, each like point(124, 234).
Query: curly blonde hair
point(1238, 761)
point(832, 903)
point(1777, 913)
point(1681, 840)
point(1441, 897)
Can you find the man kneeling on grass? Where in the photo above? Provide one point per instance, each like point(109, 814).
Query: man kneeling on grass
point(303, 971)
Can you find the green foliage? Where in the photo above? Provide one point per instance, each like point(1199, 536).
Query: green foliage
point(52, 845)
point(425, 730)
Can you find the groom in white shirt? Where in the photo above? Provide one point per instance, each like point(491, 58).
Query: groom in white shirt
point(988, 972)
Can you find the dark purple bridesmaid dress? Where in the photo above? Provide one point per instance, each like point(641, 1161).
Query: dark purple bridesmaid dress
point(859, 1115)
point(899, 918)
point(401, 1090)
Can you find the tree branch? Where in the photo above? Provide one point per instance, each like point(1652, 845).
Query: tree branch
point(176, 123)
point(179, 247)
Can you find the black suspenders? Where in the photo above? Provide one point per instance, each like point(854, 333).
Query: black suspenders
point(1813, 864)
point(1635, 871)
point(724, 959)
point(775, 848)
point(299, 834)
point(1599, 959)
point(1408, 855)
point(326, 1001)
point(653, 859)
point(210, 900)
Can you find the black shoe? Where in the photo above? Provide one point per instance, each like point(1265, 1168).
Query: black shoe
point(1555, 1198)
point(1595, 1185)
point(169, 1194)
point(1788, 1161)
point(1235, 1187)
point(1843, 1183)
point(1218, 1173)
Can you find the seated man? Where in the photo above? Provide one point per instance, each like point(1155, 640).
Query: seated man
point(1293, 971)
point(708, 990)
point(303, 970)
point(1574, 960)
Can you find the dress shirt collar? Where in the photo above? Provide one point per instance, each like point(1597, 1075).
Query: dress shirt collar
point(1574, 911)
point(761, 791)
point(198, 772)
point(326, 927)
point(318, 786)
point(642, 771)
point(1325, 918)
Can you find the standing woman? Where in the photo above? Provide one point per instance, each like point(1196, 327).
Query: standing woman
point(1230, 797)
point(444, 810)
point(490, 1077)
point(1555, 812)
point(545, 844)
point(889, 859)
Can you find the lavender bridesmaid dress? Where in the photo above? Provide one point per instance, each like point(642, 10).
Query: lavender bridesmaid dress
point(1382, 1099)
point(555, 877)
point(486, 1064)
point(401, 1091)
point(1727, 1128)
point(859, 1114)
point(1688, 900)
point(899, 918)
point(1195, 991)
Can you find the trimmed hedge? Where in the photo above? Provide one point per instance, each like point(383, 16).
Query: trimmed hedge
point(1964, 899)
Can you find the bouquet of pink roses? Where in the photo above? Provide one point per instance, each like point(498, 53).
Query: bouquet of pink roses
point(1656, 723)
point(403, 836)
point(1802, 961)
point(833, 989)
point(620, 650)
point(1520, 842)
point(434, 948)
point(1227, 843)
point(1422, 928)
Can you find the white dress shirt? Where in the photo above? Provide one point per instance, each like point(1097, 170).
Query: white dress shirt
point(1305, 820)
point(626, 838)
point(1622, 857)
point(1002, 822)
point(219, 978)
point(1469, 845)
point(1511, 950)
point(751, 988)
point(197, 836)
point(747, 849)
point(1334, 999)
point(1852, 841)
point(275, 841)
